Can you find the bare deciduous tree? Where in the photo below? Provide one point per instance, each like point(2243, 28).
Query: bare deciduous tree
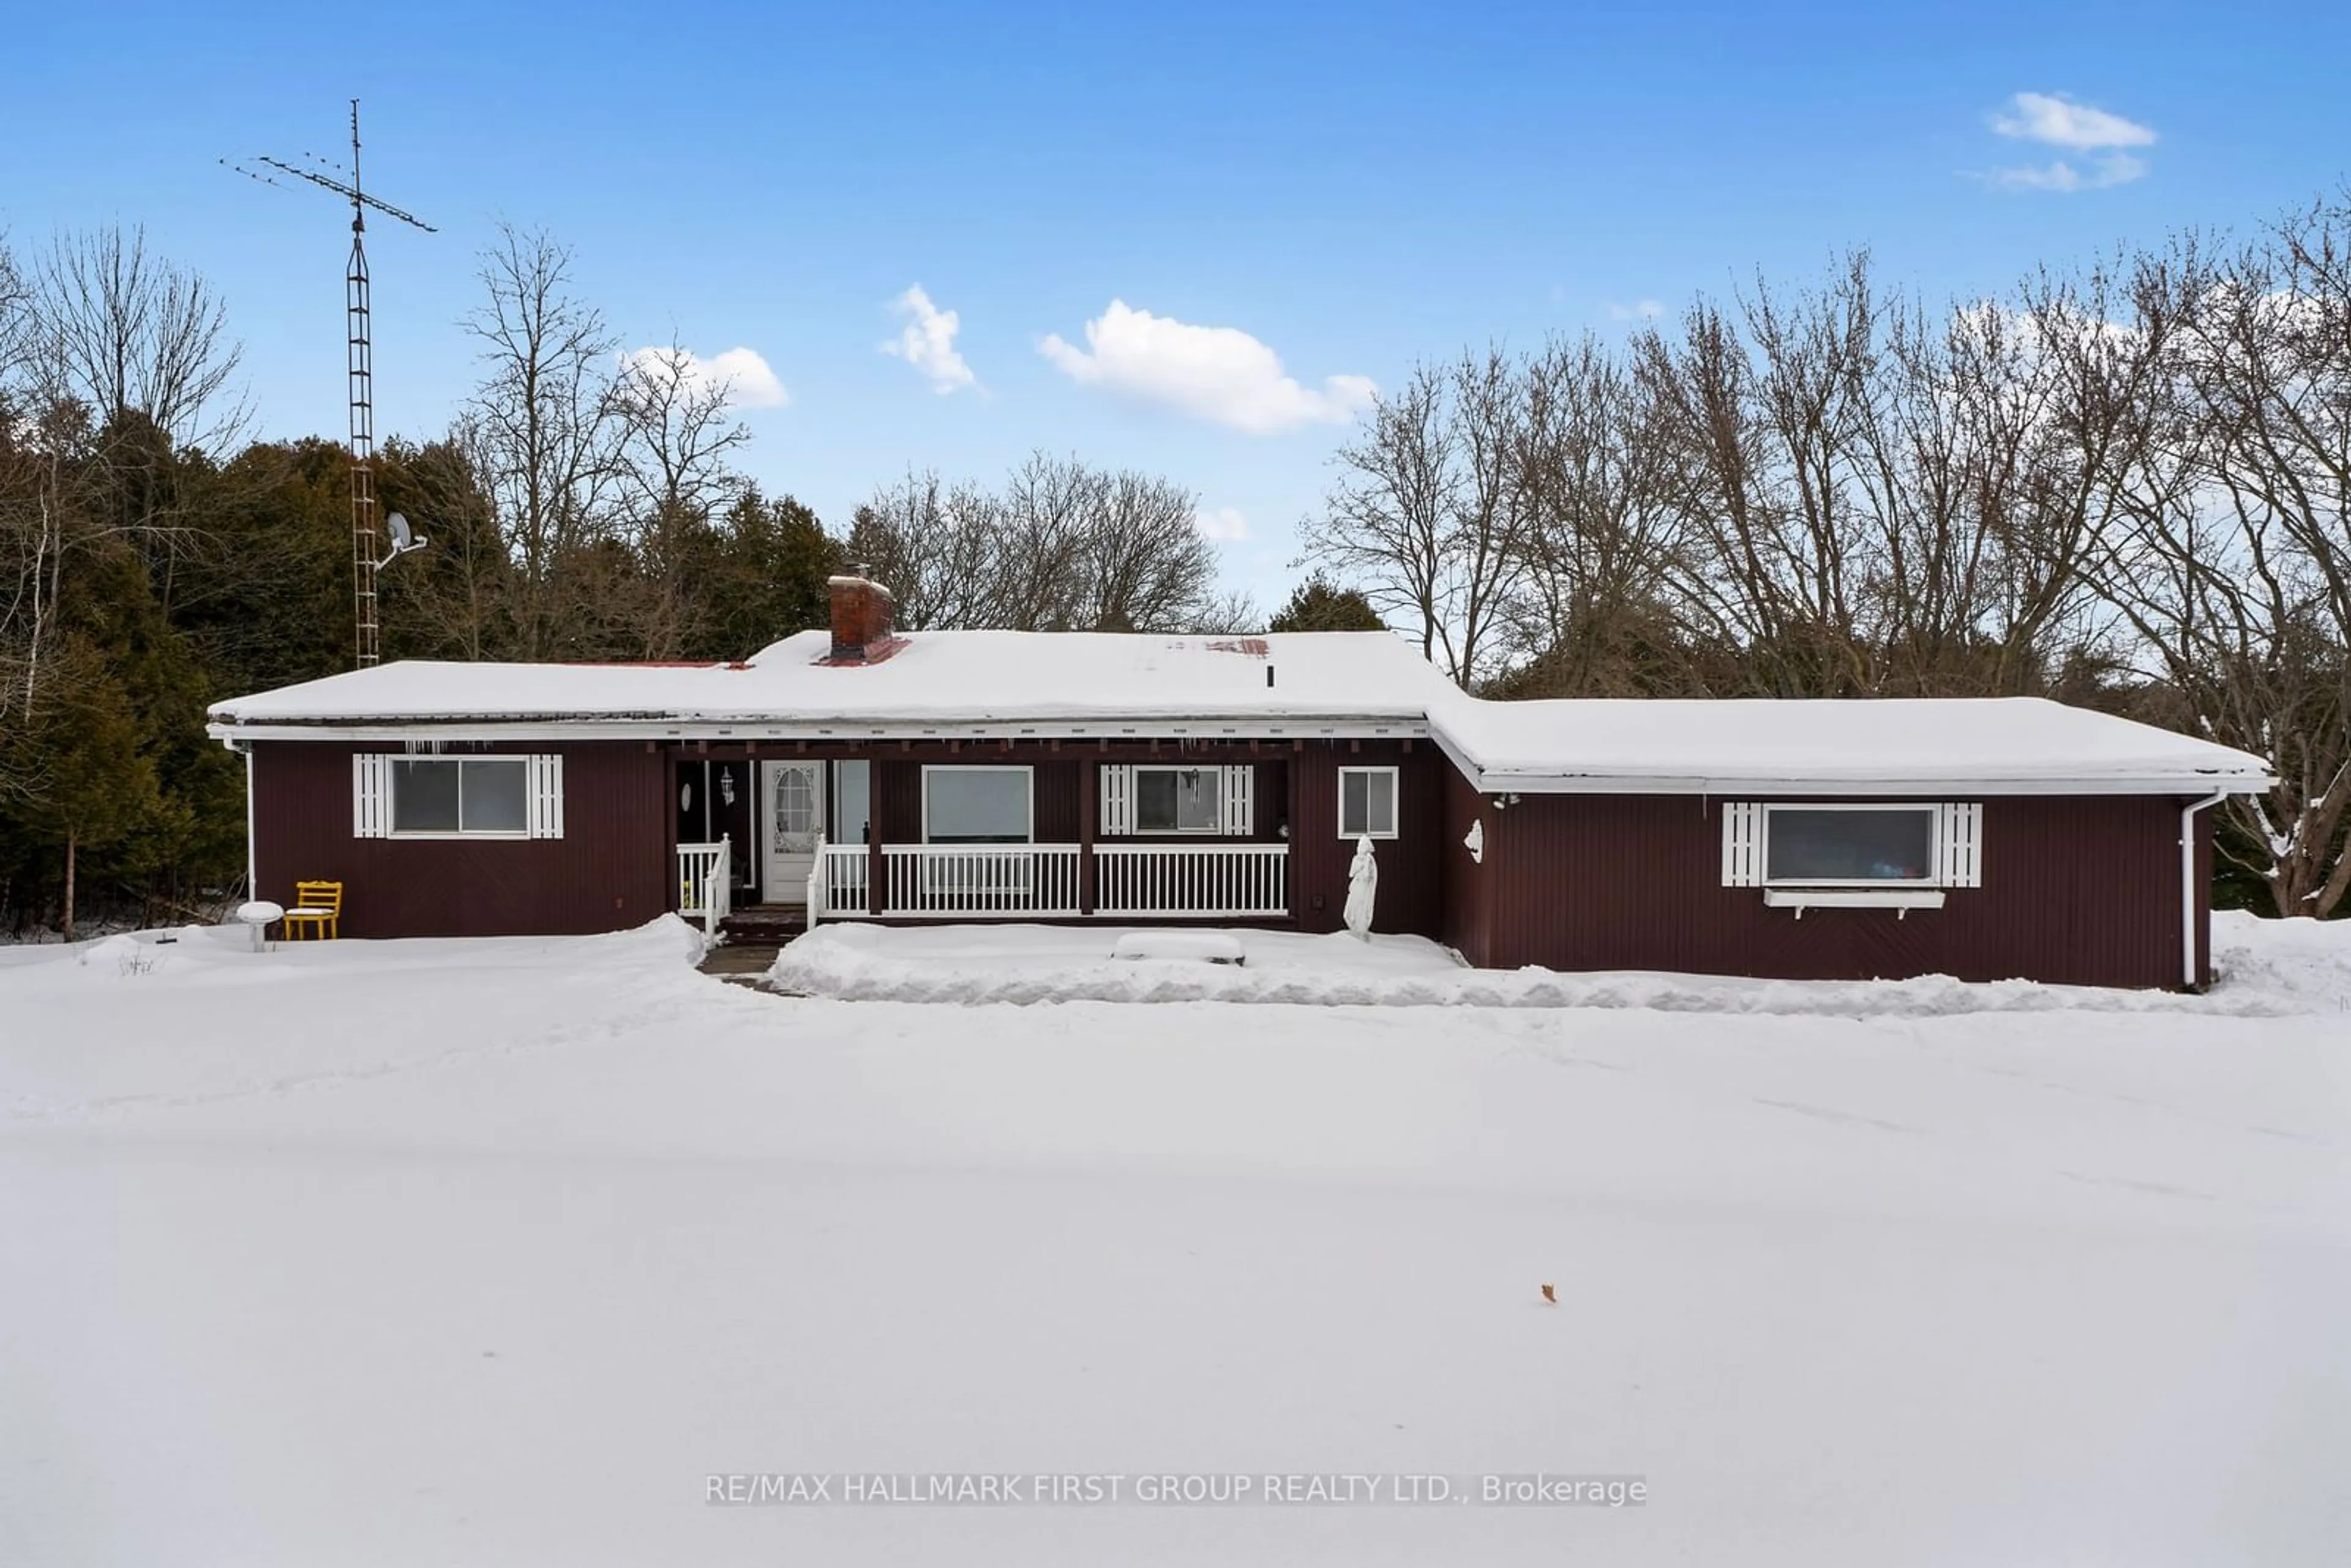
point(679, 434)
point(1591, 615)
point(2234, 564)
point(1432, 510)
point(543, 436)
point(1061, 547)
point(135, 334)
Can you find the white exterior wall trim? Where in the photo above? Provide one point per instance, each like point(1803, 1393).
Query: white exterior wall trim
point(1500, 781)
point(391, 731)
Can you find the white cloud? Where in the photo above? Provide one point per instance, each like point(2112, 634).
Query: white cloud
point(2078, 128)
point(2062, 122)
point(1223, 524)
point(1220, 374)
point(2116, 169)
point(1639, 310)
point(749, 381)
point(927, 341)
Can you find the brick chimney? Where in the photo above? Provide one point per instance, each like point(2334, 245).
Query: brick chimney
point(862, 624)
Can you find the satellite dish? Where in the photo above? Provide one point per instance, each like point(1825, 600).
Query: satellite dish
point(404, 539)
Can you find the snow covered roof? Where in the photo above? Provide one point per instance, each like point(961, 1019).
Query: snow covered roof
point(933, 680)
point(1343, 683)
point(1858, 747)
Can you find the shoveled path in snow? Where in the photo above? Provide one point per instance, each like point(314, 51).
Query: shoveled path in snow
point(489, 1252)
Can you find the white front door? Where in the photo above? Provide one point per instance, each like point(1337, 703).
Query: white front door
point(794, 795)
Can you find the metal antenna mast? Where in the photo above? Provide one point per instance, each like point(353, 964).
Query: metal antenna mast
point(361, 369)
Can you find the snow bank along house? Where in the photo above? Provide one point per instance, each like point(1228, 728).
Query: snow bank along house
point(961, 776)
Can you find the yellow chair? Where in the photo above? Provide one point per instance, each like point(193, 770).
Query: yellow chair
point(318, 911)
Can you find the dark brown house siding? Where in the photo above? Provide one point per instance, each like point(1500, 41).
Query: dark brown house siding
point(1469, 924)
point(609, 870)
point(898, 794)
point(2080, 890)
point(1297, 787)
point(1411, 865)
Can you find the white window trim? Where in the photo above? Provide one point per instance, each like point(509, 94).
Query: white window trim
point(1216, 827)
point(391, 797)
point(370, 796)
point(1932, 811)
point(1902, 900)
point(1025, 771)
point(1395, 803)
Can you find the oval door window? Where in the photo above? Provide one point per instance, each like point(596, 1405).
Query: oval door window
point(796, 810)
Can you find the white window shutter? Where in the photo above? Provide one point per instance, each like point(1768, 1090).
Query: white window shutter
point(1742, 844)
point(547, 796)
point(1962, 844)
point(1239, 808)
point(370, 796)
point(1117, 801)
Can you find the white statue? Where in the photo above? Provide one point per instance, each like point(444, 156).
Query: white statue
point(1363, 887)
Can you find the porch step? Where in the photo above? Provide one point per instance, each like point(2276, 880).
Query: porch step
point(743, 963)
point(774, 924)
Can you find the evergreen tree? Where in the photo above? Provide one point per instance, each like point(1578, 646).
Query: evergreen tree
point(88, 784)
point(760, 576)
point(1317, 606)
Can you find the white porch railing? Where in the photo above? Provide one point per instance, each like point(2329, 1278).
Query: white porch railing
point(966, 882)
point(978, 881)
point(1205, 881)
point(706, 883)
point(840, 883)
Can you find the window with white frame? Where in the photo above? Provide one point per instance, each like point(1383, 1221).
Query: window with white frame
point(1368, 802)
point(1178, 800)
point(1156, 798)
point(1849, 846)
point(486, 796)
point(1914, 844)
point(976, 806)
point(517, 797)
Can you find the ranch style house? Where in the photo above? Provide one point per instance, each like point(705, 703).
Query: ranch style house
point(862, 774)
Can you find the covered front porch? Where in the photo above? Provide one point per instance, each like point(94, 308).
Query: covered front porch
point(1045, 830)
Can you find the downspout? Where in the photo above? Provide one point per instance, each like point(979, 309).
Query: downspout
point(252, 845)
point(2188, 883)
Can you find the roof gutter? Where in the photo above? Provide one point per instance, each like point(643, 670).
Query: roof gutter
point(1937, 784)
point(1300, 726)
point(1538, 781)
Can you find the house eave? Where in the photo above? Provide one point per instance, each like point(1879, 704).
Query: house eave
point(669, 727)
point(1492, 781)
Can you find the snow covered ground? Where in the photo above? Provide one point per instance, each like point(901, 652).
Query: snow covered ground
point(2265, 969)
point(494, 1252)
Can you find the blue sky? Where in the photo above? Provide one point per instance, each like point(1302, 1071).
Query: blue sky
point(1353, 187)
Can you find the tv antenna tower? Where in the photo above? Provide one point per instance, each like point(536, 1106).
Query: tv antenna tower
point(345, 182)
